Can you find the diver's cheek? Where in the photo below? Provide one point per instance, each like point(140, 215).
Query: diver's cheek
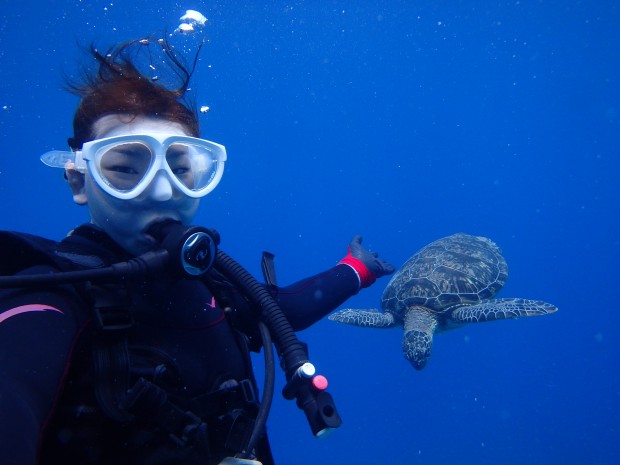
point(187, 210)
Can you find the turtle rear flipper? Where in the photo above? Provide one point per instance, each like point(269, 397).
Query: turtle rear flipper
point(366, 318)
point(500, 309)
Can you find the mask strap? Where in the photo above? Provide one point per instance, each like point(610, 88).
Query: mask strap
point(74, 144)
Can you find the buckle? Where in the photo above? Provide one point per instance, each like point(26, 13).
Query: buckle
point(194, 430)
point(113, 318)
point(247, 389)
point(111, 307)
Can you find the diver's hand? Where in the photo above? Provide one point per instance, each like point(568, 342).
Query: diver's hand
point(366, 264)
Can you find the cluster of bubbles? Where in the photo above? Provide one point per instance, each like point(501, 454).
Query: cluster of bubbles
point(186, 37)
point(191, 21)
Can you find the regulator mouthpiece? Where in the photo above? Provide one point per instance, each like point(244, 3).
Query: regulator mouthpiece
point(192, 249)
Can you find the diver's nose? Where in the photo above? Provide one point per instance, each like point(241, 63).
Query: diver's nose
point(161, 189)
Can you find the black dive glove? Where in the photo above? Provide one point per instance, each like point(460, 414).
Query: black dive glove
point(366, 264)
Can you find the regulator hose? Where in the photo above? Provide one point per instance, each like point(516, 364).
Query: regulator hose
point(147, 264)
point(302, 383)
point(267, 397)
point(292, 352)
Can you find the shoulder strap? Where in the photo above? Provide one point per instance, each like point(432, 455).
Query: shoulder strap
point(111, 362)
point(19, 251)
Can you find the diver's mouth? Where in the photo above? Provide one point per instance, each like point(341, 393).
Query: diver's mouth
point(148, 238)
point(155, 225)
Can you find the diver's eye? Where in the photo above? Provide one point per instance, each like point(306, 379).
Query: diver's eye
point(179, 160)
point(124, 165)
point(122, 169)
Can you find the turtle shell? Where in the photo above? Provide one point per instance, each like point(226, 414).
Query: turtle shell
point(458, 269)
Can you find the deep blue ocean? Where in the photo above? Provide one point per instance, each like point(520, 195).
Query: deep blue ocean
point(403, 121)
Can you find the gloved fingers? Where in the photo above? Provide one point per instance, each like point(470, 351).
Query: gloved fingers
point(383, 267)
point(356, 243)
point(371, 260)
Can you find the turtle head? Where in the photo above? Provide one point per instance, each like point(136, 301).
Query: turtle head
point(417, 347)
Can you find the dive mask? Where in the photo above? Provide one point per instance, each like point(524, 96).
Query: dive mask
point(124, 166)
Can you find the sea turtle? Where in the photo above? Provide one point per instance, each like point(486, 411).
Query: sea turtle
point(446, 284)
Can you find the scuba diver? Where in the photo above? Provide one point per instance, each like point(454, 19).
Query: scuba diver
point(128, 342)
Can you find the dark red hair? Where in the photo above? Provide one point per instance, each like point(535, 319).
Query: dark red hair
point(117, 86)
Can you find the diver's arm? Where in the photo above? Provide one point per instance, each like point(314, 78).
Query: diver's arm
point(37, 329)
point(304, 302)
point(307, 301)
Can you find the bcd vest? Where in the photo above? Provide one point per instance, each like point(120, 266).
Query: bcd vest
point(120, 400)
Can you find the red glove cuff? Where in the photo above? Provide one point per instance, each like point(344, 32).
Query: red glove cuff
point(365, 276)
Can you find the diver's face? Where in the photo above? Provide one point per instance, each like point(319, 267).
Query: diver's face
point(127, 221)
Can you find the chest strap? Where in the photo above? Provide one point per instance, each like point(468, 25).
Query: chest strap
point(110, 352)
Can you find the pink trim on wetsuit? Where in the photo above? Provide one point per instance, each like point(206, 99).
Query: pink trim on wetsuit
point(25, 309)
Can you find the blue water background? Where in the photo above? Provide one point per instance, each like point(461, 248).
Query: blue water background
point(404, 121)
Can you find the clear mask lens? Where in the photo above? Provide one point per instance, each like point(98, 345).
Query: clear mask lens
point(123, 166)
point(193, 165)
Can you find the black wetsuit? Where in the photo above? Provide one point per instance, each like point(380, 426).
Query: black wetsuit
point(48, 408)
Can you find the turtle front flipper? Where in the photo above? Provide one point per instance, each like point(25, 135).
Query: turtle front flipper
point(501, 309)
point(420, 325)
point(365, 318)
